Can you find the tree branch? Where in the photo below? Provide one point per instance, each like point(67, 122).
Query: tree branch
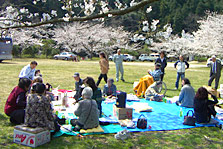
point(85, 18)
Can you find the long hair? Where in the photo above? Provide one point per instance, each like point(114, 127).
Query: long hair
point(91, 83)
point(202, 94)
point(103, 55)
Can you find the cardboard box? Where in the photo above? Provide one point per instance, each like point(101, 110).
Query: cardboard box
point(122, 113)
point(32, 138)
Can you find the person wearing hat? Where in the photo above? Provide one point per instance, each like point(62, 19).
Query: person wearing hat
point(87, 111)
point(78, 85)
point(162, 60)
point(181, 65)
point(156, 74)
point(215, 71)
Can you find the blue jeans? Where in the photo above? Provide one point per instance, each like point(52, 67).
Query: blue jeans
point(179, 75)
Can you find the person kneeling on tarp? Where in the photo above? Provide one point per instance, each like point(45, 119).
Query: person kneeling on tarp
point(87, 111)
point(16, 102)
point(38, 109)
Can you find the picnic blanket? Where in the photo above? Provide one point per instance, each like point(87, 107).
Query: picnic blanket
point(164, 116)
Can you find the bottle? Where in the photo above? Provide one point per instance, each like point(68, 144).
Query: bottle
point(164, 100)
point(181, 112)
point(57, 113)
point(67, 121)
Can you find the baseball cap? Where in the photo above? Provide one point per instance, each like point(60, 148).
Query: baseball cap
point(76, 74)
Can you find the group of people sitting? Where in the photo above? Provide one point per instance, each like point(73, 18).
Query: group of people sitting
point(35, 109)
point(29, 102)
point(203, 107)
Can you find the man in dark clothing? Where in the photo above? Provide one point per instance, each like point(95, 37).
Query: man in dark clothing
point(162, 60)
point(78, 85)
point(215, 71)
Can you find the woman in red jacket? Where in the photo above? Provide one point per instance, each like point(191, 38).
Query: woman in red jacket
point(16, 102)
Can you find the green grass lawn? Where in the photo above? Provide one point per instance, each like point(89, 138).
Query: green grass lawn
point(60, 73)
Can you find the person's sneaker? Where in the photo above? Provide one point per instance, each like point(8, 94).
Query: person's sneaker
point(175, 88)
point(122, 135)
point(123, 80)
point(117, 80)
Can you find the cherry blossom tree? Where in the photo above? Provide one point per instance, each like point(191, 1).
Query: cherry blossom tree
point(207, 41)
point(91, 37)
point(19, 17)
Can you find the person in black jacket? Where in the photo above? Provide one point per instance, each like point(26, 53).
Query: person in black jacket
point(162, 60)
point(204, 108)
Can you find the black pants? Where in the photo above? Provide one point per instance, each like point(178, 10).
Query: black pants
point(161, 76)
point(100, 77)
point(17, 117)
point(212, 77)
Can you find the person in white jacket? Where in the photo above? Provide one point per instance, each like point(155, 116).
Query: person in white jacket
point(181, 65)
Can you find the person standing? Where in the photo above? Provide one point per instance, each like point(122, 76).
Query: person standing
point(215, 72)
point(162, 60)
point(28, 71)
point(104, 66)
point(118, 59)
point(181, 66)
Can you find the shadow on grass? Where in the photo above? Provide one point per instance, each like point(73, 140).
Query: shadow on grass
point(128, 82)
point(7, 63)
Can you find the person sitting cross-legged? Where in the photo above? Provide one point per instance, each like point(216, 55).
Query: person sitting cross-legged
point(87, 111)
point(109, 88)
point(186, 97)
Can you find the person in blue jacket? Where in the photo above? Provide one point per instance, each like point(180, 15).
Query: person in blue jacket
point(181, 65)
point(187, 94)
point(162, 60)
